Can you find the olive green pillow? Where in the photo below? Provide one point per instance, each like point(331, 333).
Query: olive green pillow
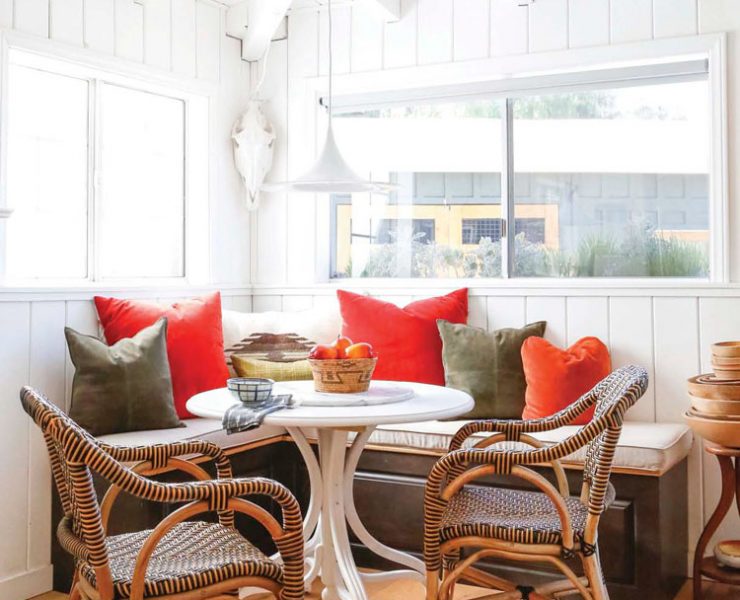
point(248, 366)
point(488, 366)
point(123, 387)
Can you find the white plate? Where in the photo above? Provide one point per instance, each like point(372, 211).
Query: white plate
point(380, 392)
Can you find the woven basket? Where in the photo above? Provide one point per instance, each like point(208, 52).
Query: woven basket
point(342, 376)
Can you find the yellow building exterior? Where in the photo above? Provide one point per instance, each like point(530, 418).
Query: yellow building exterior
point(448, 222)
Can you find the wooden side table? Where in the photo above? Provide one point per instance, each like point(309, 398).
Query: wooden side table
point(729, 464)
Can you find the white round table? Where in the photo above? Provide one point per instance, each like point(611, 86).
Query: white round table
point(332, 506)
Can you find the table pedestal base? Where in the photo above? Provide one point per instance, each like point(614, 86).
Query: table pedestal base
point(332, 509)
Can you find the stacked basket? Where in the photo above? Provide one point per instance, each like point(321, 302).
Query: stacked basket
point(715, 398)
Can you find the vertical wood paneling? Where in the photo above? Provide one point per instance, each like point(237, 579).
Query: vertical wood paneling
point(326, 301)
point(66, 21)
point(588, 23)
point(303, 39)
point(296, 303)
point(478, 312)
point(435, 31)
point(273, 214)
point(631, 20)
point(587, 316)
point(367, 39)
point(208, 33)
point(505, 311)
point(674, 17)
point(158, 33)
point(237, 303)
point(129, 23)
point(399, 47)
point(6, 13)
point(719, 320)
point(548, 25)
point(46, 373)
point(183, 37)
point(631, 338)
point(509, 28)
point(552, 310)
point(341, 19)
point(266, 303)
point(471, 35)
point(676, 354)
point(100, 25)
point(14, 441)
point(32, 16)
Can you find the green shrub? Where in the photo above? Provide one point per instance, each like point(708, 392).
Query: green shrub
point(641, 252)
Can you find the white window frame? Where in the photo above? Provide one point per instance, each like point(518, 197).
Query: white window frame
point(550, 72)
point(197, 98)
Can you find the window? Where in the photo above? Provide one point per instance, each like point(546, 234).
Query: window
point(474, 230)
point(609, 178)
point(97, 174)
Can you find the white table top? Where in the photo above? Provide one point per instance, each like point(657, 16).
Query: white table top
point(429, 402)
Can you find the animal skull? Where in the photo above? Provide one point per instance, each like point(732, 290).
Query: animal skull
point(254, 139)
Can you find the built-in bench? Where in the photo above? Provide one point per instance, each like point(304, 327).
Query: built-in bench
point(643, 534)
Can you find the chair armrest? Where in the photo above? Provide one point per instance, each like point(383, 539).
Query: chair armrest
point(513, 428)
point(160, 454)
point(221, 495)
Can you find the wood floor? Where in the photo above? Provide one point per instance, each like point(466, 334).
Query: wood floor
point(414, 591)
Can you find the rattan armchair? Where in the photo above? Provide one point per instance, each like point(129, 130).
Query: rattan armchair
point(181, 558)
point(547, 525)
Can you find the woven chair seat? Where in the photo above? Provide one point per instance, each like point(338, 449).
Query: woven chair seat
point(511, 515)
point(190, 556)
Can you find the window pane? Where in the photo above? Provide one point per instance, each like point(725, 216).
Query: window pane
point(613, 183)
point(142, 208)
point(446, 159)
point(47, 175)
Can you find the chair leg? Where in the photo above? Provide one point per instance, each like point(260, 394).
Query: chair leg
point(592, 570)
point(74, 591)
point(432, 585)
point(448, 564)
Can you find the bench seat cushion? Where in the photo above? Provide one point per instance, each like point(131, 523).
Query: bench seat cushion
point(644, 448)
point(201, 429)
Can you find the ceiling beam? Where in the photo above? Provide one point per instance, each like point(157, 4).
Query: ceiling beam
point(255, 22)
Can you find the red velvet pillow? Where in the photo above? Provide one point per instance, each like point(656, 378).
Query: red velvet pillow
point(406, 340)
point(556, 378)
point(195, 343)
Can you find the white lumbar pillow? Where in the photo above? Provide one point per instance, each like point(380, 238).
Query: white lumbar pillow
point(319, 325)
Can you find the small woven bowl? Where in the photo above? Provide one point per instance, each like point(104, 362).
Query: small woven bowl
point(251, 390)
point(342, 376)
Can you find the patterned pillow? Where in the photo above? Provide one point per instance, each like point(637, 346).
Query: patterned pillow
point(246, 366)
point(284, 348)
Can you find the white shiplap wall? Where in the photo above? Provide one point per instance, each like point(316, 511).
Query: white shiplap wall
point(667, 331)
point(33, 352)
point(185, 37)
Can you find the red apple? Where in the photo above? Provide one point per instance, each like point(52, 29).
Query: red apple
point(359, 350)
point(323, 352)
point(341, 344)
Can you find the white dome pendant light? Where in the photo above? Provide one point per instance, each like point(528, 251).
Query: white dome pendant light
point(330, 173)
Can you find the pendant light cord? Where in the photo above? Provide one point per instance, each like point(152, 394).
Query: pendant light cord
point(331, 64)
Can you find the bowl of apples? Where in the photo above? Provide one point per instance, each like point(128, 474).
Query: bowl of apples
point(342, 367)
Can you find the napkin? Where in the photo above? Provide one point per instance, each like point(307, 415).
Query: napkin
point(243, 417)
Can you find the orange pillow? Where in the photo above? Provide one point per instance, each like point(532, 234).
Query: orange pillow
point(195, 342)
point(556, 378)
point(406, 340)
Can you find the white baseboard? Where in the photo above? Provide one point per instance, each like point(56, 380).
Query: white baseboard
point(26, 585)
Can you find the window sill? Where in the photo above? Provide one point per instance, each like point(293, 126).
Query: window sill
point(20, 291)
point(510, 287)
